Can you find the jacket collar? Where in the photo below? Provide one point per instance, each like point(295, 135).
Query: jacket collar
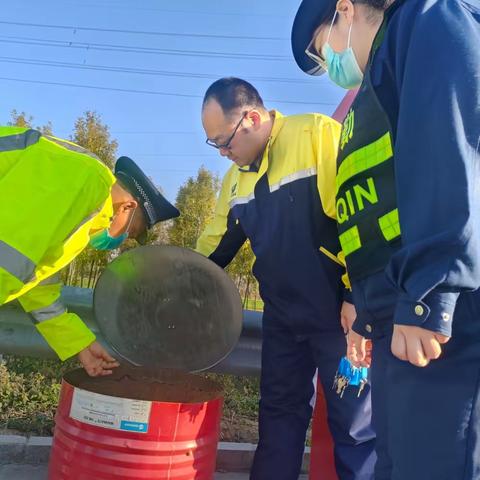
point(278, 122)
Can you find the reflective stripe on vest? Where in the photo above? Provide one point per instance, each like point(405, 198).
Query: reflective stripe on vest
point(390, 225)
point(364, 159)
point(16, 263)
point(70, 146)
point(52, 280)
point(19, 141)
point(47, 313)
point(366, 199)
point(309, 172)
point(350, 240)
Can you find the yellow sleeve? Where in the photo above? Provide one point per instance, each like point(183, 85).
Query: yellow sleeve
point(65, 332)
point(223, 236)
point(9, 284)
point(326, 140)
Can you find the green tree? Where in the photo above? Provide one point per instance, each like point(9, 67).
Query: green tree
point(21, 119)
point(91, 133)
point(196, 201)
point(240, 269)
point(46, 129)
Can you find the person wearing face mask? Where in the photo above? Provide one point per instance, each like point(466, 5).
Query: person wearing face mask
point(58, 198)
point(279, 194)
point(408, 213)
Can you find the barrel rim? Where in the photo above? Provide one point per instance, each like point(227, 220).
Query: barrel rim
point(217, 392)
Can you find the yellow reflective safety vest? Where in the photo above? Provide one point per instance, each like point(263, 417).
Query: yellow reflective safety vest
point(54, 193)
point(366, 199)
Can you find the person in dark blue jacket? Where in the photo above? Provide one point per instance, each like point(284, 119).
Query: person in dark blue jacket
point(408, 213)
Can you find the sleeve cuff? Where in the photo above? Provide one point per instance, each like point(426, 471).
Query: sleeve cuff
point(434, 312)
point(359, 326)
point(66, 334)
point(347, 295)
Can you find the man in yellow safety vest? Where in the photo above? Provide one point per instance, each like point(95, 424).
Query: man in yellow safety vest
point(57, 198)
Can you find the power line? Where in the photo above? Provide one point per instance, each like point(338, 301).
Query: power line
point(138, 32)
point(138, 71)
point(187, 12)
point(105, 47)
point(147, 92)
point(98, 87)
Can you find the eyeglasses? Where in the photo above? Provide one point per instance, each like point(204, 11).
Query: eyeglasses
point(226, 145)
point(312, 53)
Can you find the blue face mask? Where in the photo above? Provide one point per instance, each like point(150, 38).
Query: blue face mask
point(104, 241)
point(342, 67)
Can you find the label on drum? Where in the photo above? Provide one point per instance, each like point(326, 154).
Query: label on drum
point(110, 412)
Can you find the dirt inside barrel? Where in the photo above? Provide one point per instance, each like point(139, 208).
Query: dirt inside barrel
point(144, 383)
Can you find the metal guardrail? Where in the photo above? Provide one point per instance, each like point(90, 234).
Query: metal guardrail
point(18, 335)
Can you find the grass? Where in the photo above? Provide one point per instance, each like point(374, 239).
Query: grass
point(29, 390)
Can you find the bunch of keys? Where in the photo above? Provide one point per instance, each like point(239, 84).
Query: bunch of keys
point(348, 375)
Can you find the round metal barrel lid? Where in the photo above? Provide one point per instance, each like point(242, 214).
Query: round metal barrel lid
point(168, 307)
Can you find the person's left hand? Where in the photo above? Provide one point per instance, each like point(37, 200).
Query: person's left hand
point(96, 361)
point(348, 315)
point(417, 345)
point(359, 350)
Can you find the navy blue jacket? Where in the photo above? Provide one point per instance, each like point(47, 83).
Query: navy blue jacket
point(426, 74)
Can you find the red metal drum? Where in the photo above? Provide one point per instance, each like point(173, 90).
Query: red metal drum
point(108, 437)
point(322, 461)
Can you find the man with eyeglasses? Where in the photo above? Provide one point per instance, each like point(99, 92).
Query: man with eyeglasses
point(279, 193)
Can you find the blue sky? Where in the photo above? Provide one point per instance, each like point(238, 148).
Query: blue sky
point(186, 45)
